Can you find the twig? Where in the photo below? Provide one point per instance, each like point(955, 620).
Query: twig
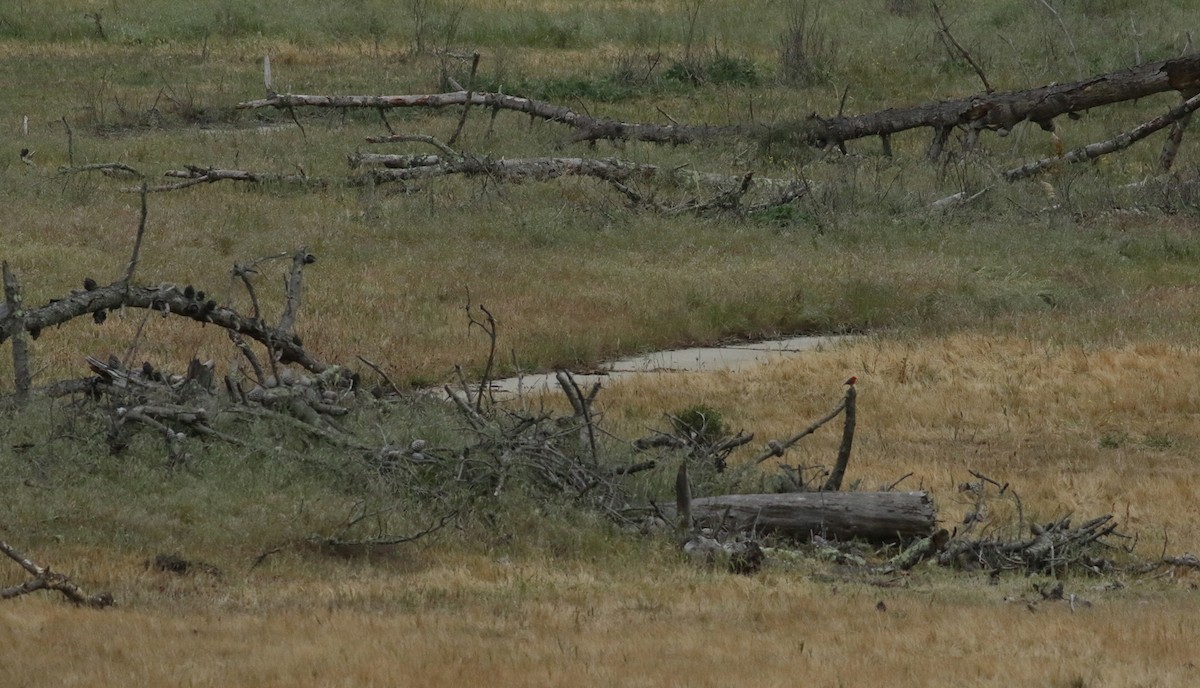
point(778, 448)
point(462, 120)
point(1070, 42)
point(70, 141)
point(45, 579)
point(137, 242)
point(376, 368)
point(389, 539)
point(899, 480)
point(581, 405)
point(1174, 141)
point(386, 124)
point(944, 32)
point(489, 328)
point(292, 111)
point(107, 167)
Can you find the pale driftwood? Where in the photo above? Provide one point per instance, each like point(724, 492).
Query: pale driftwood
point(874, 516)
point(1123, 140)
point(45, 579)
point(998, 111)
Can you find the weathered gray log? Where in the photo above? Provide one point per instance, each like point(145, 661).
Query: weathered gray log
point(998, 111)
point(874, 516)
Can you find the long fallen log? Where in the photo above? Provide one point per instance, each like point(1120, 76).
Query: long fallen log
point(996, 111)
point(873, 516)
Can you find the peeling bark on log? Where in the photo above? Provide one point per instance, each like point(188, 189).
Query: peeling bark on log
point(166, 299)
point(997, 111)
point(874, 516)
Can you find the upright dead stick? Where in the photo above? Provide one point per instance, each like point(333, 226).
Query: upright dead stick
point(15, 326)
point(137, 242)
point(294, 288)
point(683, 499)
point(843, 458)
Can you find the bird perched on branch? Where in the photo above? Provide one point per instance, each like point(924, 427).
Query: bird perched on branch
point(851, 380)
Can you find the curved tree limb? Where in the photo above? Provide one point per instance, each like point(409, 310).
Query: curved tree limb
point(1121, 141)
point(166, 298)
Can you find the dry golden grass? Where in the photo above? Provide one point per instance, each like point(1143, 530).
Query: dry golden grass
point(1027, 412)
point(484, 622)
point(1073, 429)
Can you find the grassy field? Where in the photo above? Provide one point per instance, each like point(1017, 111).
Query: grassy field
point(1043, 335)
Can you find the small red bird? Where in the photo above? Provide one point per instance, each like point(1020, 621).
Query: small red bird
point(851, 380)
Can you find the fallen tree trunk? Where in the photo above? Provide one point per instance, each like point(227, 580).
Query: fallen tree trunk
point(873, 516)
point(996, 111)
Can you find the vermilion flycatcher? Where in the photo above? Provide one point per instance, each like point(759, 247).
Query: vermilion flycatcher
point(851, 380)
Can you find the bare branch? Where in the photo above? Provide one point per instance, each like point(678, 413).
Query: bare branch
point(1119, 142)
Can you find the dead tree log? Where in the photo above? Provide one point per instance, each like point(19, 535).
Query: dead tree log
point(165, 298)
point(1176, 115)
point(588, 128)
point(12, 312)
point(874, 516)
point(996, 111)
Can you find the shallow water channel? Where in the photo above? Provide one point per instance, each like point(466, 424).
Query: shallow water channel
point(732, 357)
